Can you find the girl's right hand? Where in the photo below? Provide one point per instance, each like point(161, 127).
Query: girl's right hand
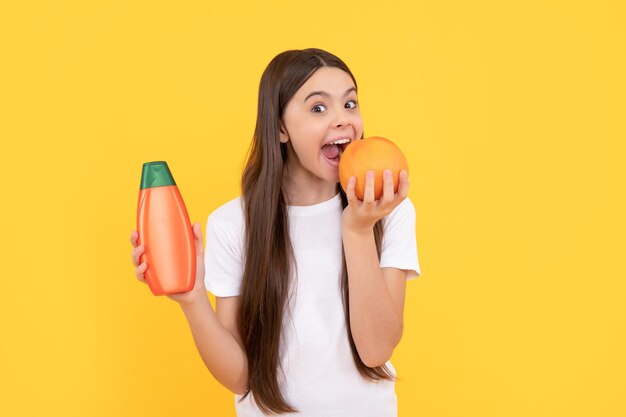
point(199, 289)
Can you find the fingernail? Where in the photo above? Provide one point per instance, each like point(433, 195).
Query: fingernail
point(404, 174)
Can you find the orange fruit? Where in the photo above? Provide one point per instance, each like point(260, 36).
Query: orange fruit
point(371, 154)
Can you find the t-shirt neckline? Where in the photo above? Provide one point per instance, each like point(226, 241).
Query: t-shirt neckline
point(329, 205)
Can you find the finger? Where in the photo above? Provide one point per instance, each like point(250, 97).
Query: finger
point(197, 232)
point(136, 253)
point(403, 189)
point(388, 193)
point(139, 272)
point(133, 238)
point(368, 193)
point(351, 193)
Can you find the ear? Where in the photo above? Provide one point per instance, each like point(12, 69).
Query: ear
point(284, 136)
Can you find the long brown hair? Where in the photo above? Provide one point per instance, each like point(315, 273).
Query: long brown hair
point(269, 260)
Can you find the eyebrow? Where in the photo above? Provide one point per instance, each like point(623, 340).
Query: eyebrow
point(324, 93)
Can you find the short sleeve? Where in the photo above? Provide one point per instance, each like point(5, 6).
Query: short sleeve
point(399, 246)
point(222, 257)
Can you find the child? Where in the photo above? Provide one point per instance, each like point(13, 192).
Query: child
point(309, 281)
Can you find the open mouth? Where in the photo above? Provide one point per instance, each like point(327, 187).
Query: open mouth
point(332, 151)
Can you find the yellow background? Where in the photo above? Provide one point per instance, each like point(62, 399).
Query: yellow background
point(512, 118)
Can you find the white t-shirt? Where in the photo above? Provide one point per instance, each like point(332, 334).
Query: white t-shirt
point(320, 378)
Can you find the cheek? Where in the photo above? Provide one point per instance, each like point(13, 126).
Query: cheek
point(305, 144)
point(311, 133)
point(305, 149)
point(358, 125)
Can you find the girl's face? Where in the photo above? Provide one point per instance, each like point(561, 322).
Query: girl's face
point(323, 110)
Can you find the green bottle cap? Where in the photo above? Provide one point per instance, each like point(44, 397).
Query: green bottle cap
point(156, 174)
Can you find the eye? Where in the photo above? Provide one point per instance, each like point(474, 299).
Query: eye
point(351, 104)
point(318, 106)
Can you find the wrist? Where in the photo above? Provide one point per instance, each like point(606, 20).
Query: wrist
point(359, 232)
point(193, 302)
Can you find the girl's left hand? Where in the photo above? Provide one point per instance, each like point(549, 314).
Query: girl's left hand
point(360, 216)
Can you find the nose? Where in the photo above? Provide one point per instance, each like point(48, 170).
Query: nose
point(341, 119)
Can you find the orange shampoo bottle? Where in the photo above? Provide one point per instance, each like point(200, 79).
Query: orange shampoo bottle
point(165, 231)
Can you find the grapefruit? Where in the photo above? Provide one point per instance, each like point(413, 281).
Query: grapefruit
point(371, 154)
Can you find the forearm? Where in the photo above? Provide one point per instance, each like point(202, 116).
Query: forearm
point(375, 323)
point(224, 357)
